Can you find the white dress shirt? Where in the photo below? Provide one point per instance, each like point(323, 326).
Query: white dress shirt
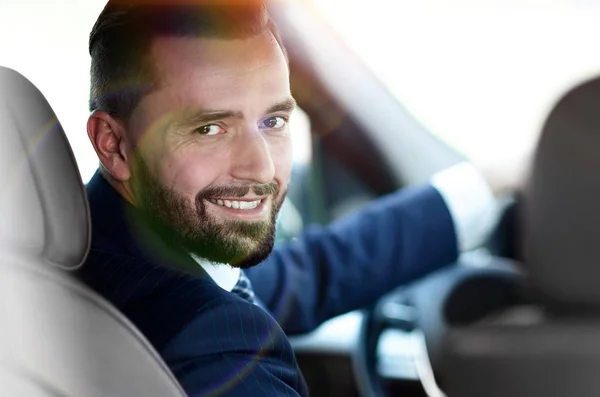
point(225, 276)
point(470, 202)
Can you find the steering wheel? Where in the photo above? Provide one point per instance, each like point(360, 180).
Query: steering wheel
point(453, 297)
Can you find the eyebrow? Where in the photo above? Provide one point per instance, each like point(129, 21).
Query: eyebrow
point(286, 106)
point(208, 116)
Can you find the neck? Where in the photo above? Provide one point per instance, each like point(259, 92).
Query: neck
point(122, 188)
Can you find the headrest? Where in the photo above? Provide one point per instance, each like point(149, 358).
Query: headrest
point(43, 207)
point(561, 206)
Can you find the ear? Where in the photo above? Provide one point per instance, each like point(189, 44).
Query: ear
point(110, 142)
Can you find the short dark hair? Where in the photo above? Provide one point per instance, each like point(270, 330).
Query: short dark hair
point(122, 72)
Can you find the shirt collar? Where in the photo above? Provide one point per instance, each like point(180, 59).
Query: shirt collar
point(224, 276)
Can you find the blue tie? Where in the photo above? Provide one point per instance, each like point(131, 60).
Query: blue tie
point(243, 288)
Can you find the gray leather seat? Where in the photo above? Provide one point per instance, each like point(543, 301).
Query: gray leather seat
point(551, 348)
point(56, 337)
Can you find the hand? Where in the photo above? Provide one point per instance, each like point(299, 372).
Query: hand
point(504, 172)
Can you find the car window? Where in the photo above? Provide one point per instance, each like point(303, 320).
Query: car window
point(479, 74)
point(46, 41)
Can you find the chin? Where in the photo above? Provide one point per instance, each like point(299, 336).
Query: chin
point(255, 257)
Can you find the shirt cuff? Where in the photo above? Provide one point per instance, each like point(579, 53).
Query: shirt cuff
point(471, 203)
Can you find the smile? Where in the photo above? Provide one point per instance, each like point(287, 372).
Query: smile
point(235, 204)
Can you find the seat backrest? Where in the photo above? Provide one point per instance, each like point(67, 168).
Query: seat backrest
point(552, 349)
point(560, 241)
point(57, 338)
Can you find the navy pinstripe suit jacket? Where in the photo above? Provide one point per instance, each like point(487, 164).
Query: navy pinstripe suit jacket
point(220, 345)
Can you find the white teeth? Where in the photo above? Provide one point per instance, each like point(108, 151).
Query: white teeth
point(241, 205)
point(249, 205)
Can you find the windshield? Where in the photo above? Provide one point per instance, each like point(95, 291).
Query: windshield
point(479, 74)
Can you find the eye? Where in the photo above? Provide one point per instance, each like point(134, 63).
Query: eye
point(274, 123)
point(211, 129)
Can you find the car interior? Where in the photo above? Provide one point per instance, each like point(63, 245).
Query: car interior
point(517, 317)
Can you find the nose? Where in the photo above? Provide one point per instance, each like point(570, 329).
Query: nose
point(251, 158)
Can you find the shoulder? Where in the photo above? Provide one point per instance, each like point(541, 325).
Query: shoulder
point(110, 270)
point(159, 300)
point(229, 324)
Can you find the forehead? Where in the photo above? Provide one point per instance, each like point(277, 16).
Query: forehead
point(211, 70)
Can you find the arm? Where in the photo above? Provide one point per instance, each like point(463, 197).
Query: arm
point(332, 270)
point(395, 240)
point(234, 348)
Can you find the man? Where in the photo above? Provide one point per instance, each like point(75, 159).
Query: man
point(190, 110)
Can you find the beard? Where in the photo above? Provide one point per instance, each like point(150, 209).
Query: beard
point(189, 226)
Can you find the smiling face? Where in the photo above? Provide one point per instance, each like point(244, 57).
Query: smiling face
point(210, 156)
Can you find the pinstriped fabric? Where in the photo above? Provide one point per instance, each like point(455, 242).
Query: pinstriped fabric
point(244, 353)
point(215, 342)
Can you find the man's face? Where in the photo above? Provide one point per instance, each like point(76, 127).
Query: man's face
point(212, 156)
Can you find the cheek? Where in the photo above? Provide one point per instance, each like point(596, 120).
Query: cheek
point(189, 172)
point(282, 157)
